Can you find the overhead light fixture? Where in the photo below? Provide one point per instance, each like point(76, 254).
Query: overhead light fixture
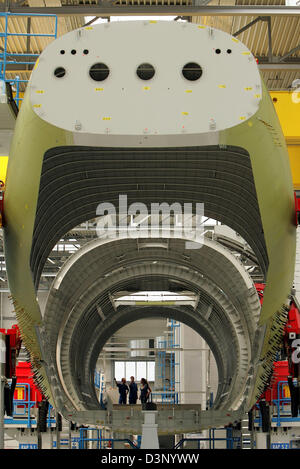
point(132, 18)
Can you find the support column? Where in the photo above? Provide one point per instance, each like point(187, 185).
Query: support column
point(149, 431)
point(193, 367)
point(261, 440)
point(194, 372)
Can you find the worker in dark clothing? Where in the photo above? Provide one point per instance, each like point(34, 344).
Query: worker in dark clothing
point(123, 390)
point(145, 391)
point(133, 391)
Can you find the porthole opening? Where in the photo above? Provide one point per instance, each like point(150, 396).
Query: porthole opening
point(192, 71)
point(99, 71)
point(218, 51)
point(85, 51)
point(73, 51)
point(145, 71)
point(229, 51)
point(62, 52)
point(59, 72)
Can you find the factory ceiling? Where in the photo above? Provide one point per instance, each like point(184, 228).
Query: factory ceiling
point(267, 27)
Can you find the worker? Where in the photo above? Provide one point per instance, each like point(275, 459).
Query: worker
point(123, 390)
point(145, 391)
point(133, 391)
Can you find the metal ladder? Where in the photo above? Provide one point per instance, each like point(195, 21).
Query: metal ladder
point(246, 437)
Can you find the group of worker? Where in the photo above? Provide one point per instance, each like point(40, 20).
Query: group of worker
point(132, 390)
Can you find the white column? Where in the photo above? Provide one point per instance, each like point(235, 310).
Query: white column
point(261, 440)
point(194, 372)
point(149, 431)
point(192, 367)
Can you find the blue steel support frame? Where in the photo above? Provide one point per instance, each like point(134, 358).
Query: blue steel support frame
point(27, 405)
point(7, 58)
point(83, 439)
point(281, 404)
point(169, 393)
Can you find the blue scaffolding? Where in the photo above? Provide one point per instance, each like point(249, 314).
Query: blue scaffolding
point(100, 386)
point(99, 441)
point(169, 393)
point(231, 441)
point(281, 409)
point(22, 411)
point(23, 58)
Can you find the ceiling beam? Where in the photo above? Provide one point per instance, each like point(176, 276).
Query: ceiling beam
point(291, 52)
point(279, 66)
point(161, 10)
point(249, 25)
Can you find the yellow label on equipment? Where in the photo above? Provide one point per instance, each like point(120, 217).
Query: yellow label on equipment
point(185, 113)
point(40, 91)
point(37, 105)
point(146, 88)
point(222, 86)
point(248, 88)
point(188, 91)
point(99, 89)
point(20, 393)
point(106, 118)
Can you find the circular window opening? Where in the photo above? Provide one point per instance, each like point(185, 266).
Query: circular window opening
point(73, 51)
point(145, 71)
point(218, 51)
point(85, 51)
point(62, 51)
point(99, 72)
point(229, 51)
point(59, 72)
point(192, 71)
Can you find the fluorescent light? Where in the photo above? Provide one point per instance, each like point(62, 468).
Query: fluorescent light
point(130, 18)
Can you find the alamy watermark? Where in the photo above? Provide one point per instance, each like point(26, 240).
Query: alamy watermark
point(153, 221)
